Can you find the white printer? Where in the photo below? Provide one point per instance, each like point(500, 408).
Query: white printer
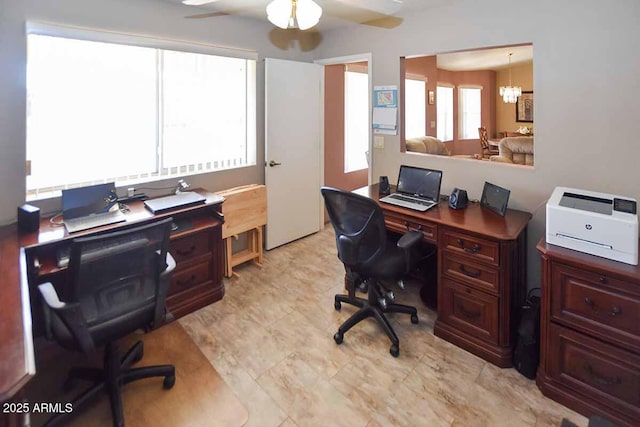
point(596, 223)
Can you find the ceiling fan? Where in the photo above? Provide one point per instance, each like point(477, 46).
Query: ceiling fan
point(305, 14)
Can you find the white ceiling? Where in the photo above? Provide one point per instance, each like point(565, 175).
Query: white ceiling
point(485, 59)
point(336, 13)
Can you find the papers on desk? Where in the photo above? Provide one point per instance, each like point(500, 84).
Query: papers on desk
point(385, 110)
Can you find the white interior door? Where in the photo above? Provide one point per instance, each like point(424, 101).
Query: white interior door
point(292, 150)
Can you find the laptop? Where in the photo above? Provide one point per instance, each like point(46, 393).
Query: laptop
point(418, 189)
point(89, 207)
point(180, 200)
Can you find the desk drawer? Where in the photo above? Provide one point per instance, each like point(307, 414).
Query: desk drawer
point(401, 223)
point(191, 246)
point(606, 373)
point(469, 310)
point(471, 246)
point(593, 302)
point(472, 273)
point(190, 277)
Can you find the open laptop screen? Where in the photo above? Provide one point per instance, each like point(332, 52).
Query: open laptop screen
point(420, 182)
point(85, 201)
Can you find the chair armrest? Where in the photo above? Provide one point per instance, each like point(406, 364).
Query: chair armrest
point(409, 239)
point(50, 296)
point(70, 314)
point(171, 265)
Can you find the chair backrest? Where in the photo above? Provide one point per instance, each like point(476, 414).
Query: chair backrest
point(114, 274)
point(484, 138)
point(359, 226)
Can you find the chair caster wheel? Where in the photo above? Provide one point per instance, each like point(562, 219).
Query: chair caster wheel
point(394, 350)
point(169, 382)
point(337, 305)
point(414, 319)
point(338, 338)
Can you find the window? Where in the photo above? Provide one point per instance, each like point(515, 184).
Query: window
point(100, 111)
point(444, 106)
point(415, 108)
point(356, 120)
point(469, 114)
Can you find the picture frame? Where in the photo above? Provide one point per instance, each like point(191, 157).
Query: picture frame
point(432, 97)
point(524, 107)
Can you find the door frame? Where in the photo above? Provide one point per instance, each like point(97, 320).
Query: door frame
point(346, 60)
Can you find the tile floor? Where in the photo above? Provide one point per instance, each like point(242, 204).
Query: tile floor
point(271, 340)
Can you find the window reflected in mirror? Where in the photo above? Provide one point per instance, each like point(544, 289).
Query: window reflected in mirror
point(475, 104)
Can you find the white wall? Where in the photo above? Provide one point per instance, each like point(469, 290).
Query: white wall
point(587, 93)
point(141, 17)
point(587, 97)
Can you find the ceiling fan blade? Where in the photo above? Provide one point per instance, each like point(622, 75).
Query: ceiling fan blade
point(208, 15)
point(197, 2)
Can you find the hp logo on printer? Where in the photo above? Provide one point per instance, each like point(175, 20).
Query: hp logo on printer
point(588, 226)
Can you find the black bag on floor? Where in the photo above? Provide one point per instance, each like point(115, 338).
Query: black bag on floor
point(526, 355)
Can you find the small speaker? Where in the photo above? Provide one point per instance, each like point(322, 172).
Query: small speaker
point(28, 218)
point(458, 199)
point(384, 187)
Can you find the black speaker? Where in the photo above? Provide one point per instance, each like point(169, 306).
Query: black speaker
point(28, 218)
point(384, 187)
point(458, 199)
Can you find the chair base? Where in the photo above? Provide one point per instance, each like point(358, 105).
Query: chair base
point(371, 307)
point(115, 374)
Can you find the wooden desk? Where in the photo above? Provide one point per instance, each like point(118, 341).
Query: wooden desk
point(27, 260)
point(590, 334)
point(481, 276)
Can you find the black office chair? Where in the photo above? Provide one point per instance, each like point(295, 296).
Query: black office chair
point(366, 252)
point(117, 283)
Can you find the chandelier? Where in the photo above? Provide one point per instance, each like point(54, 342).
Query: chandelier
point(302, 14)
point(510, 93)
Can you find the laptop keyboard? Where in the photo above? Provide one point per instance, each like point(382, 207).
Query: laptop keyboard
point(411, 200)
point(91, 221)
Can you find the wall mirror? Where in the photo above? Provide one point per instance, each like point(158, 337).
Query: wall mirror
point(474, 104)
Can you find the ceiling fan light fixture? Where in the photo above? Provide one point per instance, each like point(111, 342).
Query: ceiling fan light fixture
point(279, 13)
point(302, 14)
point(308, 13)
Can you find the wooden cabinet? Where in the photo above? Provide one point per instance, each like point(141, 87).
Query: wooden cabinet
point(590, 334)
point(481, 283)
point(197, 279)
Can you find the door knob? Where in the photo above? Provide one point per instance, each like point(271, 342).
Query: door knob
point(273, 163)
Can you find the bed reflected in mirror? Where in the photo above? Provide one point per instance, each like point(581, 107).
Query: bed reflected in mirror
point(475, 104)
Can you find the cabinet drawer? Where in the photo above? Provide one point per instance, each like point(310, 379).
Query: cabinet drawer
point(469, 310)
point(189, 247)
point(606, 373)
point(190, 277)
point(401, 224)
point(474, 247)
point(597, 304)
point(471, 273)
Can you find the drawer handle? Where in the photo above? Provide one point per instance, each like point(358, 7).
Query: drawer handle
point(603, 279)
point(599, 379)
point(186, 283)
point(470, 273)
point(469, 314)
point(408, 225)
point(615, 311)
point(186, 252)
point(472, 250)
